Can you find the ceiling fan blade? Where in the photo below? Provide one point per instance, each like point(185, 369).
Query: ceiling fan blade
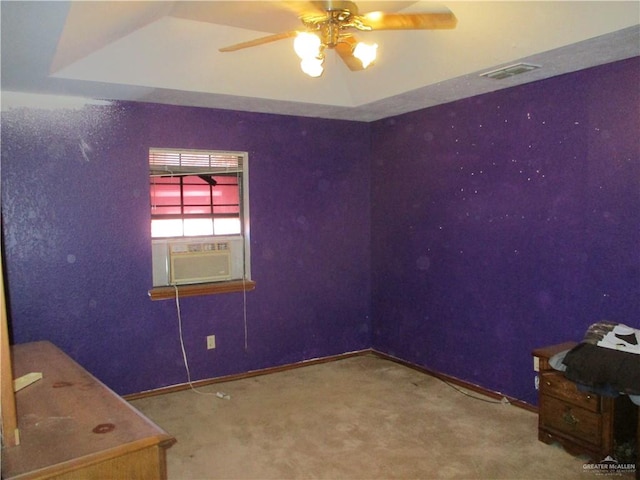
point(302, 8)
point(344, 48)
point(259, 41)
point(409, 21)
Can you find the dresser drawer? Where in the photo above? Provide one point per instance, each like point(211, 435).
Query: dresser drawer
point(556, 385)
point(566, 418)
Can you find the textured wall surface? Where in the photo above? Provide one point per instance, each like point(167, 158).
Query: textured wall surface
point(506, 222)
point(76, 228)
point(458, 238)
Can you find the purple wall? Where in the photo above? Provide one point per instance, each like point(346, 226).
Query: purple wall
point(78, 255)
point(458, 238)
point(506, 222)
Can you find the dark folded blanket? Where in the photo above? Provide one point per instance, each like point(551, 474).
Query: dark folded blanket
point(599, 367)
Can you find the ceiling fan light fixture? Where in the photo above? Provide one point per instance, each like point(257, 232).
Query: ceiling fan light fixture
point(312, 66)
point(307, 45)
point(366, 53)
point(328, 25)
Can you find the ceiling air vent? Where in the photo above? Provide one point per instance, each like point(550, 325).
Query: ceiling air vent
point(510, 71)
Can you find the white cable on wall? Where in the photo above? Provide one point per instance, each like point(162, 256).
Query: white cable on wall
point(184, 352)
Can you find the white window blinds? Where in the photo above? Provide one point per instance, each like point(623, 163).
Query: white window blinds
point(167, 161)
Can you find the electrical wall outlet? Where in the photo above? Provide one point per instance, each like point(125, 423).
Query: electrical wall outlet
point(211, 342)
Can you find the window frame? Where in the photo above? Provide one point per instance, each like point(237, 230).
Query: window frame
point(175, 166)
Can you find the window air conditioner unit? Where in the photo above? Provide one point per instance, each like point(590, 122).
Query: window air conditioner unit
point(199, 262)
point(178, 261)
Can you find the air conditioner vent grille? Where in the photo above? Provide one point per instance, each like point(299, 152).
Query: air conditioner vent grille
point(510, 71)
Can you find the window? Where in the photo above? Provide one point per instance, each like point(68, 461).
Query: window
point(199, 216)
point(193, 205)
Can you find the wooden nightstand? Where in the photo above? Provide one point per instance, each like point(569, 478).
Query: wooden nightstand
point(583, 423)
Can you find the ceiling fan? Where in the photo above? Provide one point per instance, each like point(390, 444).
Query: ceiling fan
point(330, 25)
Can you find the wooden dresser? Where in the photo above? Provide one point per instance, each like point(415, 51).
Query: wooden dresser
point(73, 427)
point(583, 423)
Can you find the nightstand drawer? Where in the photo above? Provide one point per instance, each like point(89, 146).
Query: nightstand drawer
point(574, 421)
point(556, 385)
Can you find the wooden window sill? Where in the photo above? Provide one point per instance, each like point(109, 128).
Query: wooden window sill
point(164, 293)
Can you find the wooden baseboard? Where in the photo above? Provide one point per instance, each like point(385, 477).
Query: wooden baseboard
point(458, 382)
point(305, 363)
point(240, 376)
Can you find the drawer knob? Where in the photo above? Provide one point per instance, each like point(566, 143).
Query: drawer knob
point(569, 419)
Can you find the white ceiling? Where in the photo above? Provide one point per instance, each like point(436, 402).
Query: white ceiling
point(167, 52)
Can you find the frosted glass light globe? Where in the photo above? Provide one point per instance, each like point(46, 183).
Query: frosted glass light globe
point(312, 66)
point(307, 45)
point(365, 53)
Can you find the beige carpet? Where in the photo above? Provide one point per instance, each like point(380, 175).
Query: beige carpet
point(357, 418)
